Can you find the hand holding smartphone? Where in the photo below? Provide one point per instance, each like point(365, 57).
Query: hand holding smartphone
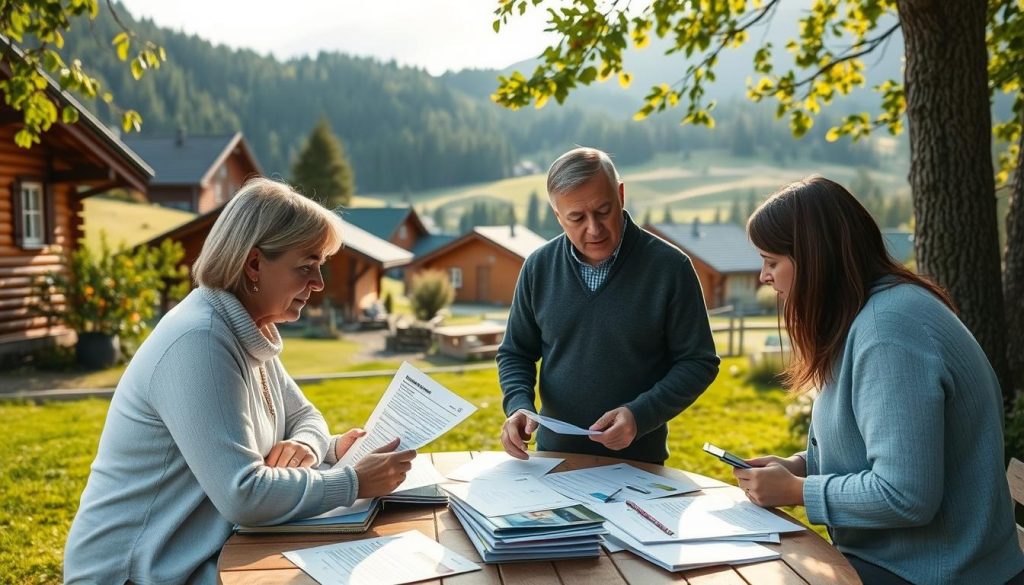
point(726, 457)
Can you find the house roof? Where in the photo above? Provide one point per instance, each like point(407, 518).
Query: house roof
point(355, 239)
point(428, 244)
point(519, 242)
point(381, 221)
point(723, 246)
point(140, 171)
point(187, 160)
point(900, 244)
point(377, 249)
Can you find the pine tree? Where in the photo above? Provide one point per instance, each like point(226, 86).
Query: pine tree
point(440, 218)
point(322, 170)
point(735, 214)
point(648, 220)
point(718, 215)
point(668, 216)
point(533, 212)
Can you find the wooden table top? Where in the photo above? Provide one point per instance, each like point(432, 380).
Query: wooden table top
point(806, 557)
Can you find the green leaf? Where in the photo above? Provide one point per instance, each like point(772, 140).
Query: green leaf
point(69, 115)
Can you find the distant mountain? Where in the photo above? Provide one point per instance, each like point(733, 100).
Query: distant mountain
point(403, 129)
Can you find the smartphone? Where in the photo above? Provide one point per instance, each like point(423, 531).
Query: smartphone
point(726, 456)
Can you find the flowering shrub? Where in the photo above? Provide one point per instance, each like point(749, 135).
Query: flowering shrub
point(114, 293)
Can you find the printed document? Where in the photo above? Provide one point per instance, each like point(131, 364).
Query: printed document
point(415, 408)
point(492, 464)
point(386, 560)
point(422, 474)
point(500, 496)
point(616, 483)
point(688, 555)
point(557, 426)
point(695, 518)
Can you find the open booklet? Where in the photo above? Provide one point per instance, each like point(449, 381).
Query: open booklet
point(420, 487)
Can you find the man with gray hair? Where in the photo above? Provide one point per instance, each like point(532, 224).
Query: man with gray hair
point(617, 317)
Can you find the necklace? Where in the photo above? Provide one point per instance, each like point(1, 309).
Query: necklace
point(266, 392)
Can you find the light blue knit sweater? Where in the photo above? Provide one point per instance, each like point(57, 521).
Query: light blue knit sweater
point(180, 459)
point(905, 451)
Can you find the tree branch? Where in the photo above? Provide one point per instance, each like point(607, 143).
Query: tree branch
point(869, 46)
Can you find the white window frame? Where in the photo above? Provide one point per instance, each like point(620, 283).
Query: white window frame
point(220, 184)
point(33, 218)
point(455, 275)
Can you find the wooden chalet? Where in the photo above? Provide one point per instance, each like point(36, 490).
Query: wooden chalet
point(483, 265)
point(41, 193)
point(195, 173)
point(726, 262)
point(401, 226)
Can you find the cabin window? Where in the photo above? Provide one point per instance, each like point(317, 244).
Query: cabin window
point(403, 232)
point(33, 214)
point(220, 184)
point(455, 275)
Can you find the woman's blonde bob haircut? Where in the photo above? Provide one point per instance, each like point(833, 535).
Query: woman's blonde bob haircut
point(267, 215)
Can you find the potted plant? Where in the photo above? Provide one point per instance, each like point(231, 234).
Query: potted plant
point(109, 297)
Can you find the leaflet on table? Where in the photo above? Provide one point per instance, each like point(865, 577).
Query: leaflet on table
point(414, 408)
point(689, 555)
point(493, 464)
point(386, 560)
point(557, 426)
point(694, 518)
point(619, 482)
point(500, 496)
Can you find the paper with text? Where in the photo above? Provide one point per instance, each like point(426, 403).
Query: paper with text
point(557, 426)
point(491, 464)
point(696, 518)
point(423, 473)
point(621, 482)
point(500, 496)
point(386, 560)
point(415, 409)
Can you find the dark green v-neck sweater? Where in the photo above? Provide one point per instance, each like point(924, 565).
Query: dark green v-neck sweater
point(641, 340)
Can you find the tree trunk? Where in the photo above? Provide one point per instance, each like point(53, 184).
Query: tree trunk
point(951, 174)
point(1013, 275)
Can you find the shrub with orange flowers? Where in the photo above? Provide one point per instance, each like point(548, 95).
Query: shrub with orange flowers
point(113, 292)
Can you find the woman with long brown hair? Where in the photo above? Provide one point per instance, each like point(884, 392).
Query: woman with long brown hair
point(904, 461)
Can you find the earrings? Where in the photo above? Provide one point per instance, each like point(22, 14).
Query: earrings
point(255, 286)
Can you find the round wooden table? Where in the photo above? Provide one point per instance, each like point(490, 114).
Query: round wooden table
point(806, 557)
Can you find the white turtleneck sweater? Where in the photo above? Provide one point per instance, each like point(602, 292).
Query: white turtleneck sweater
point(181, 457)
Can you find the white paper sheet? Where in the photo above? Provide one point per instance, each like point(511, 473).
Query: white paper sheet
point(386, 560)
point(499, 496)
point(492, 464)
point(414, 408)
point(695, 518)
point(423, 473)
point(557, 426)
point(622, 481)
point(688, 555)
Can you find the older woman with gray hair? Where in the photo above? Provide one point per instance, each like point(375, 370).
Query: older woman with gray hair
point(206, 428)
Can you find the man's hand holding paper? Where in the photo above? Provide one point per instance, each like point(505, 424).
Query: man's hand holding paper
point(616, 429)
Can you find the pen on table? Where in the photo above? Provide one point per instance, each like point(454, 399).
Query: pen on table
point(609, 497)
point(638, 489)
point(646, 516)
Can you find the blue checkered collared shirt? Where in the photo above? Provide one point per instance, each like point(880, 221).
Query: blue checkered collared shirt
point(595, 276)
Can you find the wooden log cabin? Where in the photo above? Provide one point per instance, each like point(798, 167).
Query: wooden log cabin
point(41, 193)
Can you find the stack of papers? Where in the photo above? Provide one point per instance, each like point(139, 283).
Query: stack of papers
point(419, 487)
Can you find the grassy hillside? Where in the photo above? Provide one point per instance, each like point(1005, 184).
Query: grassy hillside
point(127, 222)
point(695, 186)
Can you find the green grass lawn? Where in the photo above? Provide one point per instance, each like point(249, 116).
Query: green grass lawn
point(48, 449)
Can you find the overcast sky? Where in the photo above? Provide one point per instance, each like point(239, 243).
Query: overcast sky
point(438, 35)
